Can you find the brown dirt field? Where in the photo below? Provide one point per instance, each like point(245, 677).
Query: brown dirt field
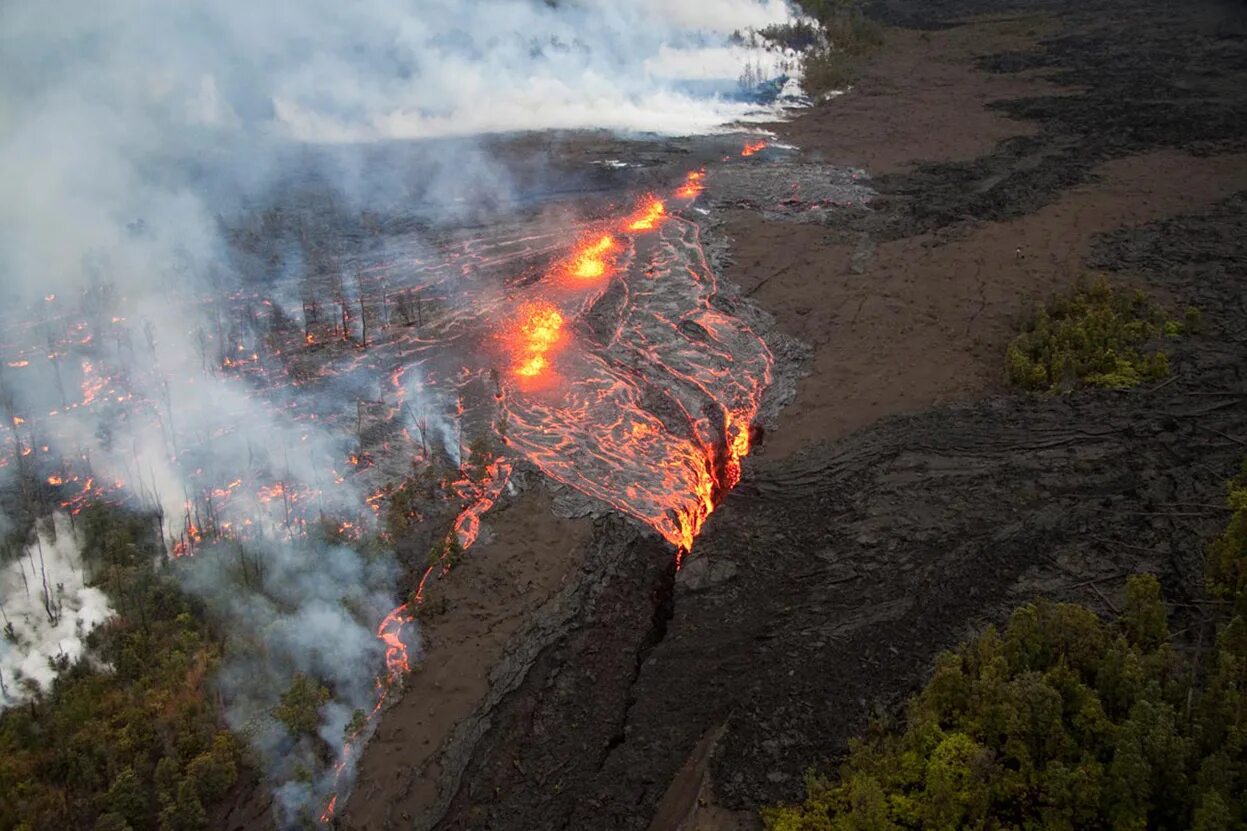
point(921, 99)
point(926, 320)
point(497, 588)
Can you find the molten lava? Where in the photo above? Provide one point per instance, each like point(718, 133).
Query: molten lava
point(752, 147)
point(539, 332)
point(589, 262)
point(650, 214)
point(693, 185)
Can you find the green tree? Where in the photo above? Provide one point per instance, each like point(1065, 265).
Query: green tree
point(299, 707)
point(125, 797)
point(1144, 618)
point(186, 812)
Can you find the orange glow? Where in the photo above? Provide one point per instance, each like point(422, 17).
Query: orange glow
point(532, 366)
point(19, 364)
point(390, 632)
point(648, 216)
point(55, 480)
point(91, 385)
point(693, 185)
point(752, 147)
point(589, 263)
point(539, 333)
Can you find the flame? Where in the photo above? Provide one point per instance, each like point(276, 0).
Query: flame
point(648, 216)
point(539, 333)
point(19, 364)
point(752, 147)
point(55, 480)
point(91, 384)
point(693, 185)
point(589, 262)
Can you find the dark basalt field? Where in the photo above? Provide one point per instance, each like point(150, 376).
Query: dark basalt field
point(820, 591)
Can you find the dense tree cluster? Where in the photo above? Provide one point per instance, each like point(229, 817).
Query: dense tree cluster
point(1098, 337)
point(1064, 721)
point(129, 738)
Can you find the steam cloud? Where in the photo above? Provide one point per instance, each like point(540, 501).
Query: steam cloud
point(46, 610)
point(132, 131)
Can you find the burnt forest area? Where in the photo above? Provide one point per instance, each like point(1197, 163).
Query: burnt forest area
point(821, 590)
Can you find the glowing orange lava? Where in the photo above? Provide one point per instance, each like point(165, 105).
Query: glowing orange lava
point(648, 216)
point(589, 262)
point(752, 147)
point(539, 333)
point(693, 185)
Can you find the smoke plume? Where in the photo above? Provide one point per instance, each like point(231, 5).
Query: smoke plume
point(137, 139)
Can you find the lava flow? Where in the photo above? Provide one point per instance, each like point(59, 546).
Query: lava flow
point(752, 147)
point(539, 331)
point(658, 386)
point(590, 262)
point(693, 185)
point(603, 354)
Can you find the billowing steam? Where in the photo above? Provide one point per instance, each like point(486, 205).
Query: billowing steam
point(132, 134)
point(47, 609)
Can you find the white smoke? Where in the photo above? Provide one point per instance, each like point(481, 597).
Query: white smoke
point(46, 613)
point(304, 610)
point(132, 131)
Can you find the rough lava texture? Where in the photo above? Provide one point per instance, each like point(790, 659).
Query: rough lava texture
point(821, 589)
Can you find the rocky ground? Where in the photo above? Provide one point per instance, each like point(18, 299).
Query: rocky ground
point(904, 499)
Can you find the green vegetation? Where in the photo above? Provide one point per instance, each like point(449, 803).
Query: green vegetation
point(1064, 721)
point(827, 70)
point(849, 36)
point(130, 740)
point(300, 704)
point(1226, 566)
point(447, 551)
point(1098, 337)
point(800, 34)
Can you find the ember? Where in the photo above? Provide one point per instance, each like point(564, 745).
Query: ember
point(752, 147)
point(648, 217)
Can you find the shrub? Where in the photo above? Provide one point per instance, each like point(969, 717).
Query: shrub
point(854, 33)
point(826, 70)
point(1097, 336)
point(799, 35)
point(830, 63)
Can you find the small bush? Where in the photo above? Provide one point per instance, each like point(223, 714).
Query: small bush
point(829, 64)
point(826, 70)
point(854, 33)
point(799, 35)
point(1097, 337)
